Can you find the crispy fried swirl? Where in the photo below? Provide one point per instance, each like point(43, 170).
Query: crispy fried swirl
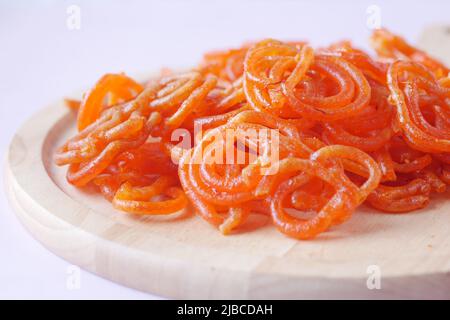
point(298, 135)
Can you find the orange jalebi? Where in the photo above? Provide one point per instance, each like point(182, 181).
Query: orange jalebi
point(272, 129)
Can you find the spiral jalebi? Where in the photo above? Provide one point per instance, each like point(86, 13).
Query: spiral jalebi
point(273, 128)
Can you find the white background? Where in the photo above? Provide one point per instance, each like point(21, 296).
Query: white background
point(41, 60)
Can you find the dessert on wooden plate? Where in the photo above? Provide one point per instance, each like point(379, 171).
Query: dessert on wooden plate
point(273, 128)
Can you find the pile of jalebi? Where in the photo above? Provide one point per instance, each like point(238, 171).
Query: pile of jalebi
point(350, 129)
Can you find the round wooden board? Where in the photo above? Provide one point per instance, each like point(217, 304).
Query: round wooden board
point(183, 257)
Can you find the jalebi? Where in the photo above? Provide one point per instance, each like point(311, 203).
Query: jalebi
point(272, 128)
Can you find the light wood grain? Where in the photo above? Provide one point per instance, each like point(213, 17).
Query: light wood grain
point(183, 257)
point(436, 41)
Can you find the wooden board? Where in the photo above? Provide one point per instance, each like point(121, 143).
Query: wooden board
point(183, 257)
